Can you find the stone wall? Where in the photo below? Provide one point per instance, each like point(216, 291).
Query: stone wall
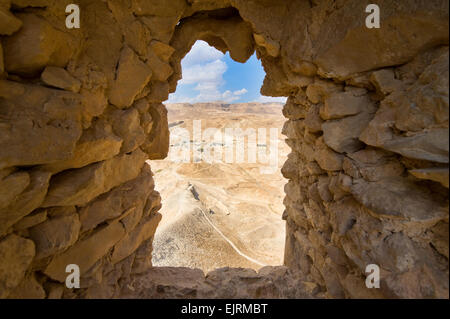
point(367, 121)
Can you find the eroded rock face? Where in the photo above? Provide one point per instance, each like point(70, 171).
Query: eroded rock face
point(367, 121)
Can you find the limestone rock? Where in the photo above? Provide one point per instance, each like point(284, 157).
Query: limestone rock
point(157, 143)
point(434, 174)
point(126, 124)
point(305, 68)
point(312, 120)
point(162, 27)
point(2, 64)
point(55, 291)
point(272, 47)
point(31, 220)
point(8, 22)
point(60, 78)
point(270, 282)
point(44, 45)
point(131, 77)
point(371, 50)
point(161, 70)
point(373, 165)
point(112, 204)
point(136, 35)
point(159, 91)
point(327, 158)
point(16, 254)
point(29, 288)
point(294, 111)
point(320, 89)
point(96, 144)
point(342, 135)
point(131, 241)
point(11, 186)
point(162, 50)
point(39, 125)
point(385, 81)
point(339, 105)
point(163, 8)
point(421, 112)
point(85, 253)
point(398, 198)
point(78, 187)
point(55, 235)
point(25, 202)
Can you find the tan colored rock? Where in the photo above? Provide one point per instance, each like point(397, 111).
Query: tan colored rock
point(78, 187)
point(385, 81)
point(39, 125)
point(342, 135)
point(85, 253)
point(373, 165)
point(305, 68)
point(398, 198)
point(16, 255)
point(98, 143)
point(11, 186)
point(54, 291)
point(31, 220)
point(272, 47)
point(156, 145)
point(59, 211)
point(165, 8)
point(370, 50)
point(159, 91)
point(430, 145)
point(126, 124)
point(434, 174)
point(342, 104)
point(312, 120)
point(8, 22)
point(114, 203)
point(55, 235)
point(236, 36)
point(44, 45)
point(320, 89)
point(2, 64)
point(179, 283)
point(23, 204)
point(131, 241)
point(420, 113)
point(131, 77)
point(162, 50)
point(326, 157)
point(294, 111)
point(162, 28)
point(60, 78)
point(161, 70)
point(29, 288)
point(29, 3)
point(137, 36)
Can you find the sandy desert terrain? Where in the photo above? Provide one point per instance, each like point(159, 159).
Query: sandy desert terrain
point(220, 214)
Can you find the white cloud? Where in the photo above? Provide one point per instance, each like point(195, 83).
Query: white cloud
point(241, 92)
point(203, 67)
point(211, 72)
point(270, 99)
point(201, 52)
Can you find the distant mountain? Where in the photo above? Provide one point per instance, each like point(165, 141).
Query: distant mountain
point(251, 107)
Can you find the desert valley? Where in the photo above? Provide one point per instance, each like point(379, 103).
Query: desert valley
point(220, 214)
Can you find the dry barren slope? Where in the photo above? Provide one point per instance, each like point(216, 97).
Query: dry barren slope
point(220, 214)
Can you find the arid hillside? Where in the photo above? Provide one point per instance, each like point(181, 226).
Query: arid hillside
point(220, 214)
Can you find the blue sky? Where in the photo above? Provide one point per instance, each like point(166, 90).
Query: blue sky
point(209, 75)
